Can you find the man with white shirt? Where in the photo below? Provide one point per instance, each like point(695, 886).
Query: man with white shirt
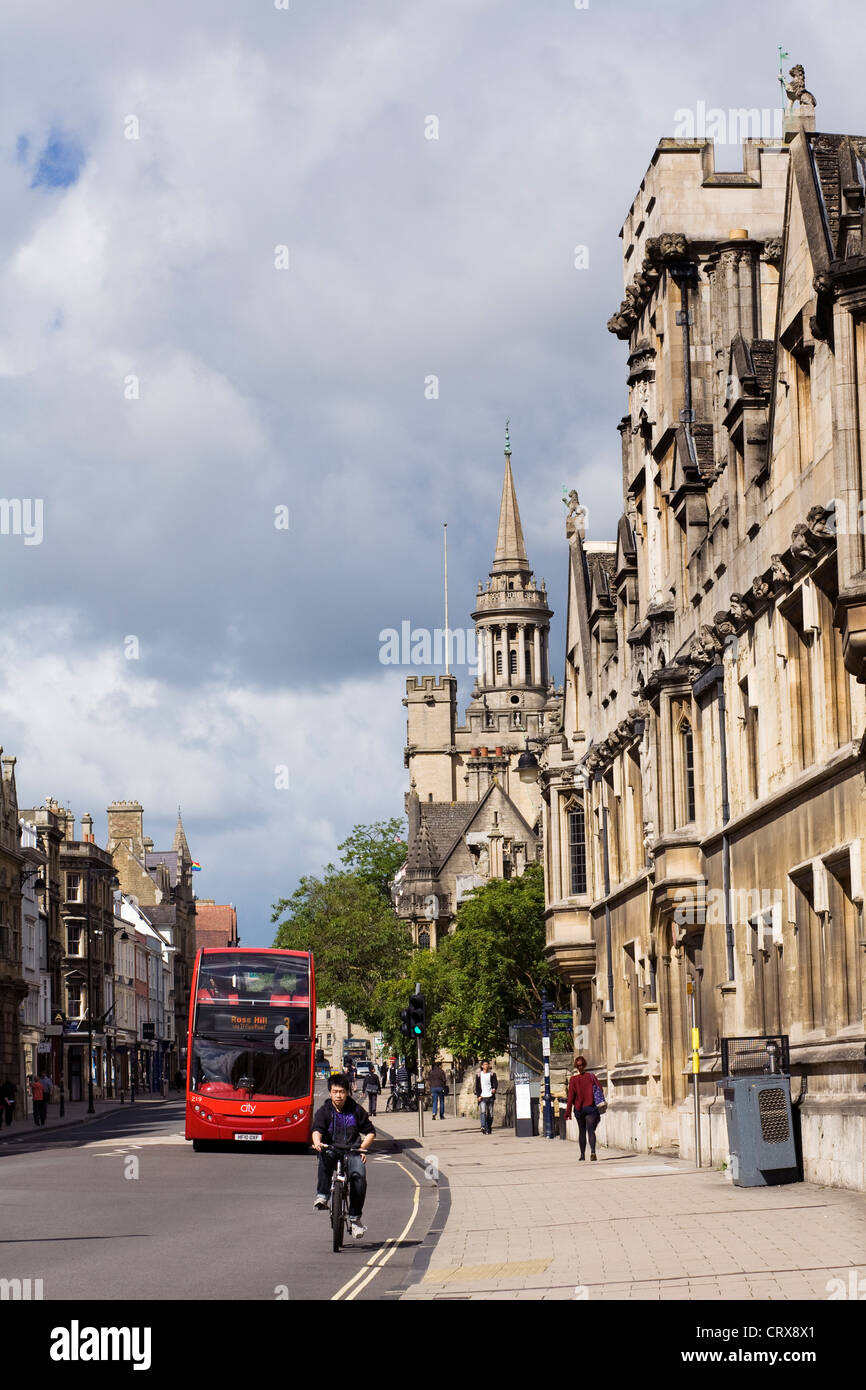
point(485, 1090)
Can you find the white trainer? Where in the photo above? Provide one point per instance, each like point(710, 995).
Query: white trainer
point(357, 1229)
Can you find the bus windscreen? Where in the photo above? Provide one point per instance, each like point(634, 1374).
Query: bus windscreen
point(251, 1035)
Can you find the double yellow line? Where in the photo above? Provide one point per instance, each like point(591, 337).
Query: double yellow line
point(381, 1257)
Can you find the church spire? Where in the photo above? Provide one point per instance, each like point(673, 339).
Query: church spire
point(180, 843)
point(510, 549)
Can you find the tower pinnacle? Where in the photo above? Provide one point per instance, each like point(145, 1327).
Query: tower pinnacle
point(510, 548)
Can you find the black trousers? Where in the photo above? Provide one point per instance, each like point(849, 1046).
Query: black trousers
point(40, 1109)
point(587, 1119)
point(371, 1098)
point(357, 1179)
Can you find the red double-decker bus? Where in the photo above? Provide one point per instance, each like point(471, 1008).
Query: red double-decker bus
point(250, 1059)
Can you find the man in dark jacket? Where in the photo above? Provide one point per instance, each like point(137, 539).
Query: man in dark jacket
point(485, 1090)
point(438, 1082)
point(371, 1086)
point(340, 1121)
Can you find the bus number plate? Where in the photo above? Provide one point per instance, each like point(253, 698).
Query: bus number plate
point(248, 1136)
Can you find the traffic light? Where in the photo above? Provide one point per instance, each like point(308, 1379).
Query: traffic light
point(417, 1016)
point(404, 1024)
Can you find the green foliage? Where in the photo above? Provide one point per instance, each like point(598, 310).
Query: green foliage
point(374, 853)
point(488, 973)
point(491, 970)
point(357, 940)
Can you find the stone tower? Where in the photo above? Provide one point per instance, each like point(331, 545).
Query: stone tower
point(513, 696)
point(512, 623)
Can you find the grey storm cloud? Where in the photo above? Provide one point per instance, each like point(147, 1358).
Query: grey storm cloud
point(164, 386)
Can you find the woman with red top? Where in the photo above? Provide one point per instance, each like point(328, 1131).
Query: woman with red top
point(581, 1099)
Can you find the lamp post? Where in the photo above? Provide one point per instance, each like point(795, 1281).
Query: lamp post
point(527, 763)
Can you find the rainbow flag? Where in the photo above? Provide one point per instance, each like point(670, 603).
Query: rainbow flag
point(195, 867)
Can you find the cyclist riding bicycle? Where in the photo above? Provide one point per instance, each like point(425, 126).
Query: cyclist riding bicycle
point(340, 1121)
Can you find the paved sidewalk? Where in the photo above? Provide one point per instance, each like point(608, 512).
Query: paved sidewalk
point(76, 1114)
point(527, 1220)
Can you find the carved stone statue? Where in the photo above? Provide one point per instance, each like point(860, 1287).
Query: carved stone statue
point(800, 542)
point(796, 89)
point(780, 573)
point(816, 520)
point(760, 587)
point(739, 608)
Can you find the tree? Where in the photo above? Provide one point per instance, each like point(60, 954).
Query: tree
point(492, 969)
point(356, 938)
point(374, 853)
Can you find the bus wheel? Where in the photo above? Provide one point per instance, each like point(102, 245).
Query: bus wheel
point(201, 1146)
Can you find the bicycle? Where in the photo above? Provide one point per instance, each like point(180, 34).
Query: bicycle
point(403, 1098)
point(338, 1205)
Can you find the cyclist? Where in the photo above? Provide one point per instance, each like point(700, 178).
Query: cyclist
point(340, 1121)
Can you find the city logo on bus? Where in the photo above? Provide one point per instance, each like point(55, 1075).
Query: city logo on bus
point(248, 1109)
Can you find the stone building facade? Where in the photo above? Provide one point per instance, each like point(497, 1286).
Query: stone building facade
point(160, 881)
point(471, 817)
point(13, 986)
point(705, 805)
point(87, 881)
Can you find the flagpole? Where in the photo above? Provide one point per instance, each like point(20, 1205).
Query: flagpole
point(447, 642)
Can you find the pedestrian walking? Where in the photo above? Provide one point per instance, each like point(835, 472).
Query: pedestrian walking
point(383, 1074)
point(371, 1086)
point(485, 1090)
point(40, 1104)
point(438, 1085)
point(584, 1097)
point(8, 1092)
point(47, 1084)
point(349, 1073)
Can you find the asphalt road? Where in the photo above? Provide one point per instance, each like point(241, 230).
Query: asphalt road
point(124, 1209)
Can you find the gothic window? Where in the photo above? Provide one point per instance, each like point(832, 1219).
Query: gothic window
point(800, 675)
point(424, 940)
point(802, 363)
point(577, 848)
point(750, 729)
point(684, 771)
point(689, 769)
point(844, 925)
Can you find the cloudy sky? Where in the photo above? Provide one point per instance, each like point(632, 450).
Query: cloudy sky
point(231, 259)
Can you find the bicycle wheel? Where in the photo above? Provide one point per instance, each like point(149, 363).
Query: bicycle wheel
point(337, 1218)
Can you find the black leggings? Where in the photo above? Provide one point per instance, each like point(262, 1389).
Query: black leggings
point(587, 1119)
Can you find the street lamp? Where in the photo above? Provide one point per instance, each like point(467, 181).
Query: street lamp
point(527, 763)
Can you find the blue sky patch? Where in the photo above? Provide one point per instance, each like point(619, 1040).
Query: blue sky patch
point(60, 161)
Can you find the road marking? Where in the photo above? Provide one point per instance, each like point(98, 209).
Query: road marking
point(139, 1142)
point(363, 1270)
point(383, 1255)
